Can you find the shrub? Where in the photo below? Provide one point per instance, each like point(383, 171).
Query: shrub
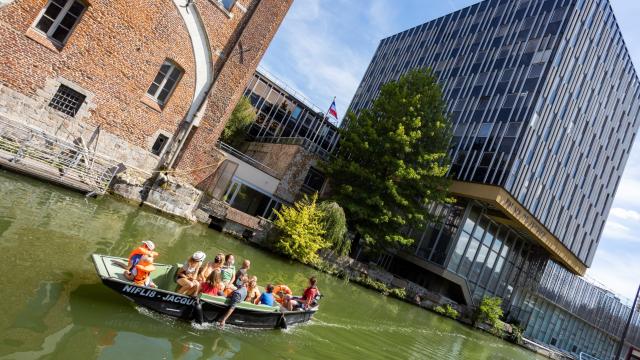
point(400, 293)
point(243, 115)
point(447, 310)
point(335, 224)
point(366, 281)
point(490, 311)
point(516, 334)
point(300, 230)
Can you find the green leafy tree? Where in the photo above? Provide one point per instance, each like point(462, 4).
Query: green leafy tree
point(335, 224)
point(242, 116)
point(393, 160)
point(301, 230)
point(490, 311)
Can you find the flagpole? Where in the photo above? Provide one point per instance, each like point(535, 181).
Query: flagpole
point(322, 123)
point(626, 328)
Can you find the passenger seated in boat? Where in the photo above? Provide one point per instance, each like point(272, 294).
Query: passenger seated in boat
point(142, 270)
point(229, 271)
point(308, 297)
point(206, 270)
point(253, 293)
point(213, 285)
point(243, 271)
point(266, 298)
point(237, 296)
point(146, 248)
point(187, 275)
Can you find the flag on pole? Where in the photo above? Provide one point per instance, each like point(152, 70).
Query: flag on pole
point(332, 110)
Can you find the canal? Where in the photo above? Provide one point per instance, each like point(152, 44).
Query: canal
point(54, 307)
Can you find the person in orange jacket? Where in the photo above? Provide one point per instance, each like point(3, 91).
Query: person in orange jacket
point(146, 248)
point(142, 271)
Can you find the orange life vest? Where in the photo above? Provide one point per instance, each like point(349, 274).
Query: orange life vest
point(142, 270)
point(137, 253)
point(279, 293)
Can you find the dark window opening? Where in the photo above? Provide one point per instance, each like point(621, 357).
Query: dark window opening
point(159, 144)
point(313, 181)
point(67, 101)
point(58, 19)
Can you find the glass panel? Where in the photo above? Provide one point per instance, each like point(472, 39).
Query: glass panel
point(76, 9)
point(250, 201)
point(60, 34)
point(68, 21)
point(162, 97)
point(52, 11)
point(44, 24)
point(467, 260)
point(459, 250)
point(152, 89)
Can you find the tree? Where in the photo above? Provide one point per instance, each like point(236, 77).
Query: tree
point(393, 160)
point(490, 311)
point(242, 116)
point(301, 230)
point(335, 224)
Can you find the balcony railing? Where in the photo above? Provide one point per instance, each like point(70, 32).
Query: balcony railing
point(40, 154)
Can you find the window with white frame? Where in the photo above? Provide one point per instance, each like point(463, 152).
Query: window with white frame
point(165, 82)
point(58, 18)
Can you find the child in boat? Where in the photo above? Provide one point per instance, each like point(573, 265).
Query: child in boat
point(237, 296)
point(213, 285)
point(253, 293)
point(229, 271)
point(266, 298)
point(308, 297)
point(141, 272)
point(243, 271)
point(187, 275)
point(146, 248)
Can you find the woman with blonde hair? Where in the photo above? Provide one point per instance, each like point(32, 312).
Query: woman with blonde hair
point(187, 275)
point(253, 293)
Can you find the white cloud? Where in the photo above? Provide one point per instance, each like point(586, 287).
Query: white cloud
point(625, 214)
point(616, 231)
point(617, 270)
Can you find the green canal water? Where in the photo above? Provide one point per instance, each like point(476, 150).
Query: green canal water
point(54, 307)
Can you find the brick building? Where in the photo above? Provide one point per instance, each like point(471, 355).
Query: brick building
point(143, 82)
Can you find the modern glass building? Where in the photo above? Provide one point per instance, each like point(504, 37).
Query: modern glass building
point(544, 102)
point(287, 117)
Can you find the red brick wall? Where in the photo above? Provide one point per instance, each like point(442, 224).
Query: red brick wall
point(114, 52)
point(231, 79)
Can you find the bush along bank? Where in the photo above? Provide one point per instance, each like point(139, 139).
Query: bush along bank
point(307, 219)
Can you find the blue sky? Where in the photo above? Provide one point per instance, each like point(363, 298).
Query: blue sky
point(323, 48)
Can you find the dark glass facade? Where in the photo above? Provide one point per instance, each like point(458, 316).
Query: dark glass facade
point(284, 117)
point(543, 98)
point(544, 102)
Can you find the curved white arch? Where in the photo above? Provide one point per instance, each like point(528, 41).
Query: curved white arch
point(201, 53)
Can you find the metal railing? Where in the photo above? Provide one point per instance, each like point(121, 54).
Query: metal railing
point(248, 159)
point(44, 155)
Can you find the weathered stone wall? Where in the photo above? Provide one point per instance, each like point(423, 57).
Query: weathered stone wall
point(291, 164)
point(231, 75)
point(275, 156)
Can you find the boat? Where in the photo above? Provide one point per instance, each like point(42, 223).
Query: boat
point(201, 309)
